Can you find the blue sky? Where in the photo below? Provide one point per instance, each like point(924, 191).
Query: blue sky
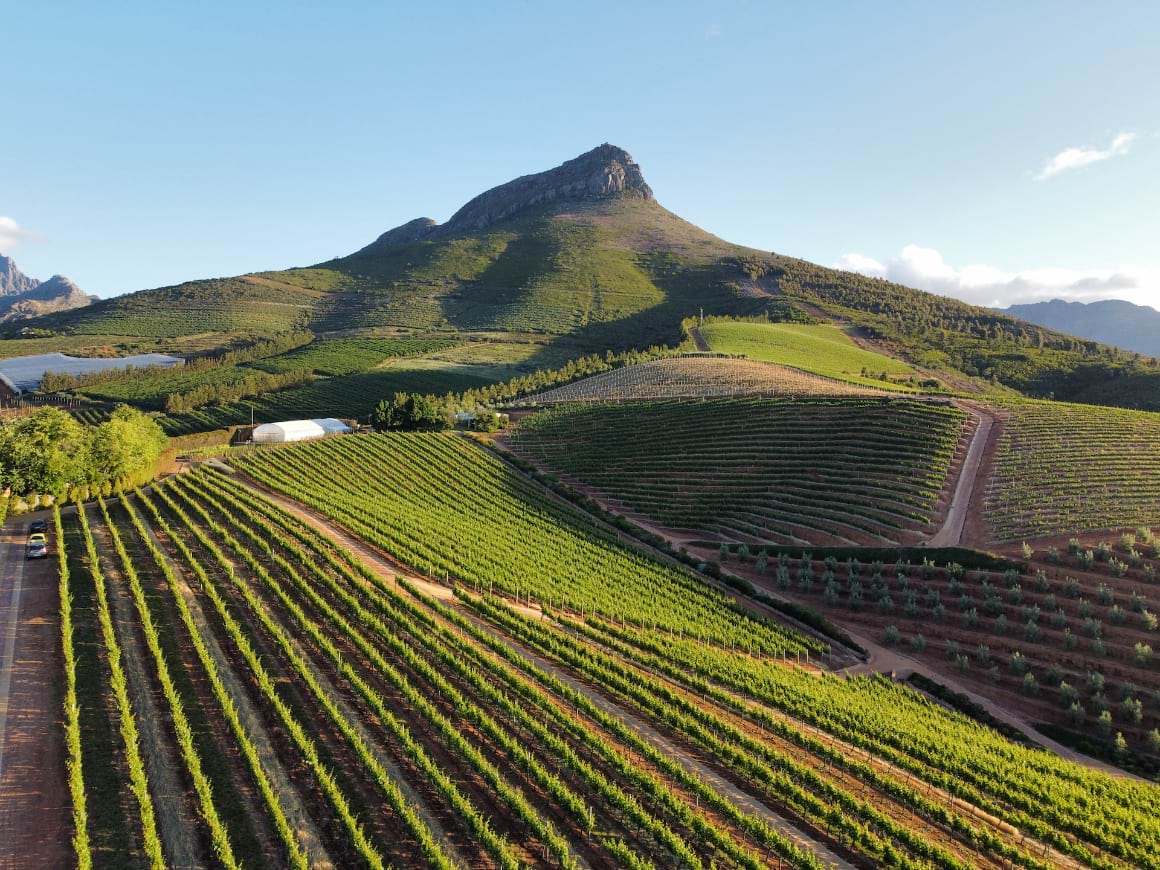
point(149, 143)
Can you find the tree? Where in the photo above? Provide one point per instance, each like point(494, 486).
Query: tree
point(45, 452)
point(125, 444)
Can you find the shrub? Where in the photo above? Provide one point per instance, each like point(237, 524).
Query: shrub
point(1104, 595)
point(1104, 723)
point(1076, 713)
point(1042, 584)
point(1031, 631)
point(1030, 685)
point(983, 654)
point(1142, 653)
point(1070, 641)
point(1095, 682)
point(1068, 694)
point(1071, 587)
point(1120, 745)
point(891, 636)
point(1053, 676)
point(952, 650)
point(1148, 620)
point(1018, 662)
point(1154, 740)
point(918, 643)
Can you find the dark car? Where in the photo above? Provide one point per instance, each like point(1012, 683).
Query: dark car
point(40, 526)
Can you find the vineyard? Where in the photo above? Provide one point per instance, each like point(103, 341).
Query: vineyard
point(692, 376)
point(350, 396)
point(1062, 469)
point(1069, 642)
point(348, 356)
point(248, 687)
point(790, 471)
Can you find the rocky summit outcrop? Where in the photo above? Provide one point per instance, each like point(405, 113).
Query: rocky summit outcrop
point(22, 297)
point(604, 171)
point(601, 172)
point(13, 282)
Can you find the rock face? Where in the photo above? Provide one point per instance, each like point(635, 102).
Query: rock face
point(603, 172)
point(13, 282)
point(22, 296)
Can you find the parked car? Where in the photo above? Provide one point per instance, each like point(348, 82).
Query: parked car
point(40, 526)
point(37, 546)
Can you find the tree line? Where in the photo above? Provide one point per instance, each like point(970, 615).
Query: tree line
point(50, 452)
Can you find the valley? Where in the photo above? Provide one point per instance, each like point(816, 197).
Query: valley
point(644, 550)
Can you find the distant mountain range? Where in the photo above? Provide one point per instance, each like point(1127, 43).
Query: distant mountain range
point(22, 297)
point(1112, 321)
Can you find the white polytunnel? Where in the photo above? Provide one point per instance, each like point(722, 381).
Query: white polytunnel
point(298, 430)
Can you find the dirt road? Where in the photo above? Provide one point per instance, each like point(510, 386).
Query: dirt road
point(951, 532)
point(699, 340)
point(35, 824)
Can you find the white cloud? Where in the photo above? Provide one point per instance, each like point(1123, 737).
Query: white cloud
point(11, 233)
point(981, 284)
point(1074, 158)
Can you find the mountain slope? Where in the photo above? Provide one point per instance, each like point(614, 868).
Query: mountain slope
point(24, 297)
point(585, 256)
point(1111, 321)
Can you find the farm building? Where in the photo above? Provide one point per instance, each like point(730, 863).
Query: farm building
point(298, 430)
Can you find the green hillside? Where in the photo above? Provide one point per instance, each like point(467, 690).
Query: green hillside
point(820, 348)
point(583, 258)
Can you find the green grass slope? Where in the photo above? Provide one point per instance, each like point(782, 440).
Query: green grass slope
point(820, 348)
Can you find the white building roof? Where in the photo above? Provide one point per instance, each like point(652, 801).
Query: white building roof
point(298, 430)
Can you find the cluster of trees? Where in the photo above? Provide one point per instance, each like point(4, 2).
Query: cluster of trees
point(50, 452)
point(252, 385)
point(409, 412)
point(415, 412)
point(54, 382)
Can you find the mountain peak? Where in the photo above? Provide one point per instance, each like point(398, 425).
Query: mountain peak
point(13, 282)
point(605, 171)
point(602, 173)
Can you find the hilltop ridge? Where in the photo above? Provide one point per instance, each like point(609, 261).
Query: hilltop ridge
point(605, 171)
